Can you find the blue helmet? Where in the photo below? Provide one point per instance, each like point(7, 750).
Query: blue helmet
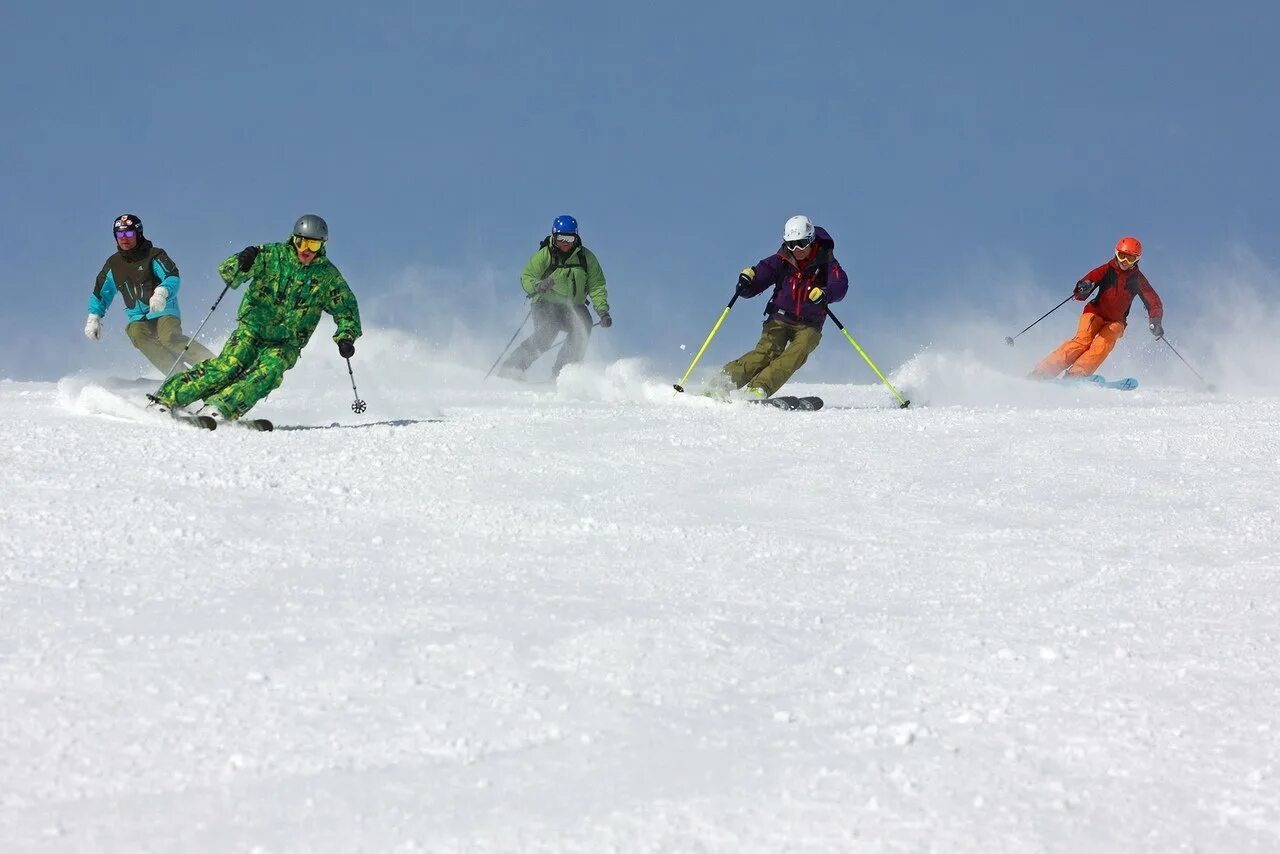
point(564, 224)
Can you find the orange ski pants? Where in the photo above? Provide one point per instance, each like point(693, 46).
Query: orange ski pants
point(1080, 356)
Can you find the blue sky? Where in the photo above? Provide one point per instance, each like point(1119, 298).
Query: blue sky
point(938, 142)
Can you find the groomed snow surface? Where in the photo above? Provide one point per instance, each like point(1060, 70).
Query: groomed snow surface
point(599, 617)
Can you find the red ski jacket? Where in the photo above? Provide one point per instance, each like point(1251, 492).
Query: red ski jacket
point(1116, 290)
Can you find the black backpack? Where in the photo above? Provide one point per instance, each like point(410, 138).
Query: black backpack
point(558, 265)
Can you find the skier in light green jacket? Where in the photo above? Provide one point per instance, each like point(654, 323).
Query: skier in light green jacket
point(559, 278)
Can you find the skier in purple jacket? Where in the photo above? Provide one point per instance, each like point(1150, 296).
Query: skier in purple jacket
point(805, 276)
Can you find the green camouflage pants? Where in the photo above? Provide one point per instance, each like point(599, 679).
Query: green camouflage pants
point(783, 348)
point(246, 371)
point(161, 341)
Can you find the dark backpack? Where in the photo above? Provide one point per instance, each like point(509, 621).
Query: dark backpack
point(557, 264)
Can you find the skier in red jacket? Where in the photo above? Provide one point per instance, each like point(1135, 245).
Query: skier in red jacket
point(1104, 319)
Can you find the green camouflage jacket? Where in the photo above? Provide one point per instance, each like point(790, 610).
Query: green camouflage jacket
point(284, 301)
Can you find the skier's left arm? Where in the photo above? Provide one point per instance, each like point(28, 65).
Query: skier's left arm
point(167, 277)
point(837, 282)
point(595, 284)
point(342, 307)
point(1155, 308)
point(1151, 299)
point(166, 271)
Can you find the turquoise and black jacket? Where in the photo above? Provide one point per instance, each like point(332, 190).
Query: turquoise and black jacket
point(135, 275)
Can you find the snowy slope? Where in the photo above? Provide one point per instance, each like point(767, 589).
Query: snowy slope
point(602, 618)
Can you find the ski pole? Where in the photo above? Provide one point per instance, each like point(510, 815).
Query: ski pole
point(679, 387)
point(509, 343)
point(1009, 340)
point(357, 405)
point(1203, 381)
point(197, 333)
point(901, 400)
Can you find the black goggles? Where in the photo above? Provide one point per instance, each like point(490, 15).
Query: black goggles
point(798, 244)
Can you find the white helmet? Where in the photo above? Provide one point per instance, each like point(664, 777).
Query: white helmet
point(798, 228)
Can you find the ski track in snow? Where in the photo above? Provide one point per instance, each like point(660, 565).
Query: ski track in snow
point(601, 617)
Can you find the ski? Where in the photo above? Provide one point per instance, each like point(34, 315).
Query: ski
point(811, 403)
point(1126, 384)
point(204, 422)
point(791, 402)
point(261, 425)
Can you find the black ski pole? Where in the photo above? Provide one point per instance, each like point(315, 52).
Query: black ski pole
point(358, 405)
point(197, 333)
point(1009, 340)
point(509, 343)
point(1208, 385)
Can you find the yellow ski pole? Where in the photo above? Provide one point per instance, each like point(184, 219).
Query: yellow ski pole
point(902, 400)
point(679, 387)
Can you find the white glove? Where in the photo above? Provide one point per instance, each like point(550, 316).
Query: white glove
point(93, 327)
point(158, 299)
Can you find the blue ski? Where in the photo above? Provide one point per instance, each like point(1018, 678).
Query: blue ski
point(1126, 384)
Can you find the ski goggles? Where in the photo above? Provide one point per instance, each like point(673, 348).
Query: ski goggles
point(803, 243)
point(1127, 258)
point(308, 244)
point(568, 239)
point(127, 235)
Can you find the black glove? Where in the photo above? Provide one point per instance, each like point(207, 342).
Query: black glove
point(1156, 327)
point(247, 256)
point(346, 349)
point(605, 320)
point(1084, 287)
point(745, 280)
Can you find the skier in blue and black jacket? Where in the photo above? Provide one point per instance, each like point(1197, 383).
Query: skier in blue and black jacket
point(147, 280)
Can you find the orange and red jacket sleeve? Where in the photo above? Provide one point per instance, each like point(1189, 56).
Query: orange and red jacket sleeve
point(1149, 297)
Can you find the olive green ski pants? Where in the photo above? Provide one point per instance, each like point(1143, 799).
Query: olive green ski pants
point(783, 348)
point(161, 341)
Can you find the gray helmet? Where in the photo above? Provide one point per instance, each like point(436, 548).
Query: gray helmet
point(311, 225)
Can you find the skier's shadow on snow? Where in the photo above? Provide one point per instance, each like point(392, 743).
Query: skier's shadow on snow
point(398, 422)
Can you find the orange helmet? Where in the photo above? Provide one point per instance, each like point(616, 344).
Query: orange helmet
point(1129, 246)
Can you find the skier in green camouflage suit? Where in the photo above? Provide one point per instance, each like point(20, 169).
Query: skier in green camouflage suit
point(292, 283)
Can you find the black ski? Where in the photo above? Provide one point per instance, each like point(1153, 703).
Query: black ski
point(204, 422)
point(786, 401)
point(262, 425)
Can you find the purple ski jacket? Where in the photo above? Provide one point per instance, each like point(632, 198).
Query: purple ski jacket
point(792, 282)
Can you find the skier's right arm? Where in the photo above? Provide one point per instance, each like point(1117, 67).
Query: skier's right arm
point(753, 281)
point(104, 291)
point(1085, 286)
point(532, 275)
point(230, 269)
